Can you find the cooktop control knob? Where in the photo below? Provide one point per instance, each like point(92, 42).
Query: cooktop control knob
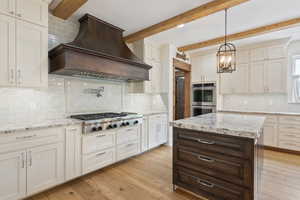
point(123, 124)
point(109, 127)
point(127, 123)
point(94, 129)
point(115, 126)
point(136, 122)
point(99, 128)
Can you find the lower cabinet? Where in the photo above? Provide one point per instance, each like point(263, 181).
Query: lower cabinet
point(73, 152)
point(13, 175)
point(157, 130)
point(45, 167)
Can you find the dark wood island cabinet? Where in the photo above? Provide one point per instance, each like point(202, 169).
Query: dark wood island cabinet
point(217, 161)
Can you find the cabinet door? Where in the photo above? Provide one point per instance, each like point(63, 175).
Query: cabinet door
point(154, 131)
point(45, 167)
point(276, 52)
point(242, 57)
point(73, 153)
point(13, 175)
point(7, 7)
point(258, 54)
point(226, 83)
point(270, 135)
point(144, 135)
point(256, 77)
point(275, 76)
point(240, 79)
point(163, 135)
point(7, 51)
point(31, 57)
point(34, 11)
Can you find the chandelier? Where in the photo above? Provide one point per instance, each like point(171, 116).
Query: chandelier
point(226, 56)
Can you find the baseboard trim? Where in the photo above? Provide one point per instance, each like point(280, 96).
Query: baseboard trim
point(277, 149)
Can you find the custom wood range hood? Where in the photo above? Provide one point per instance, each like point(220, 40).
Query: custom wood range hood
point(98, 52)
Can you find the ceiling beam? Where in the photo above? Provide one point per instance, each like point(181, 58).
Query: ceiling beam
point(191, 15)
point(67, 7)
point(242, 35)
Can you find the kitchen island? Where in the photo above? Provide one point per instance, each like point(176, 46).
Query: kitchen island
point(219, 156)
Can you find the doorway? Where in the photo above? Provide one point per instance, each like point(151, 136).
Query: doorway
point(182, 89)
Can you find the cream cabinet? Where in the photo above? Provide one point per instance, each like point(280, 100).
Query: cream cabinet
point(256, 77)
point(150, 54)
point(73, 152)
point(33, 11)
point(13, 175)
point(31, 55)
point(7, 51)
point(275, 76)
point(157, 131)
point(242, 57)
point(45, 167)
point(258, 54)
point(144, 135)
point(23, 53)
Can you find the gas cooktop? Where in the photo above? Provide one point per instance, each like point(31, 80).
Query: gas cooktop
point(96, 116)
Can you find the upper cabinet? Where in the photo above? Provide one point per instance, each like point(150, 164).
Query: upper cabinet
point(24, 45)
point(34, 11)
point(260, 70)
point(150, 54)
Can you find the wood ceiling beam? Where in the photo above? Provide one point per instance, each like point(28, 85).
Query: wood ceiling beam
point(242, 35)
point(67, 7)
point(191, 15)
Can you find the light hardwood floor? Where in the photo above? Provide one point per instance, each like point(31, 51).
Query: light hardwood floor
point(149, 177)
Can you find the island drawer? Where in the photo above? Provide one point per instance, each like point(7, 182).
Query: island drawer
point(209, 187)
point(228, 168)
point(223, 144)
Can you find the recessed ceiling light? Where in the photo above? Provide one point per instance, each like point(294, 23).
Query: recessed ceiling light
point(180, 26)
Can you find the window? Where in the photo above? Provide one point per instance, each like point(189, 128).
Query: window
point(294, 77)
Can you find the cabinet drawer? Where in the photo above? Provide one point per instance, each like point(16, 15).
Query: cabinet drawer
point(288, 144)
point(98, 160)
point(127, 134)
point(227, 145)
point(94, 143)
point(231, 169)
point(27, 139)
point(127, 150)
point(209, 187)
point(284, 120)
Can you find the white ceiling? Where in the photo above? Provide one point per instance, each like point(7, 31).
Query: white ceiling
point(134, 15)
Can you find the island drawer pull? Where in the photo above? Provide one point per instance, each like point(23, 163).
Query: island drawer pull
point(206, 141)
point(206, 183)
point(100, 154)
point(25, 137)
point(206, 159)
point(102, 135)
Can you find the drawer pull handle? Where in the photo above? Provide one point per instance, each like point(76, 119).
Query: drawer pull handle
point(99, 136)
point(206, 142)
point(205, 183)
point(206, 159)
point(100, 154)
point(25, 137)
point(128, 145)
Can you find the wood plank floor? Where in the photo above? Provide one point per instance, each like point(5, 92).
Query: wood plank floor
point(149, 177)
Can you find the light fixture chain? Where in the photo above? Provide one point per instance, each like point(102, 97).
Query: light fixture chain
point(225, 25)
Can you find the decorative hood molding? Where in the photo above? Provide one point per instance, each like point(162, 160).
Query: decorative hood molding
point(98, 52)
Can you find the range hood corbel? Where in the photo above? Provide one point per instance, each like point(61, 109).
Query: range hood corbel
point(98, 52)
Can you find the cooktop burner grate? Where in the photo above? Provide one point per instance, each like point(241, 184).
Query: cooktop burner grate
point(96, 116)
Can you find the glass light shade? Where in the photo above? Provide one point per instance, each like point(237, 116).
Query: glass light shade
point(226, 58)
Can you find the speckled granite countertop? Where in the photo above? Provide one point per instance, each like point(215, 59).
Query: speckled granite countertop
point(14, 127)
point(224, 123)
point(260, 112)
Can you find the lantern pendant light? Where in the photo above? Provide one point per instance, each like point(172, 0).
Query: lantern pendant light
point(226, 56)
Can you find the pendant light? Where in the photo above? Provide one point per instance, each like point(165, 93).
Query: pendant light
point(226, 56)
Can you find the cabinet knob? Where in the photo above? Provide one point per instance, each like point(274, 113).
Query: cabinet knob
point(12, 12)
point(19, 15)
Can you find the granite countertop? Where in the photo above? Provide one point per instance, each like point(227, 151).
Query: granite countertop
point(260, 112)
point(225, 123)
point(24, 126)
